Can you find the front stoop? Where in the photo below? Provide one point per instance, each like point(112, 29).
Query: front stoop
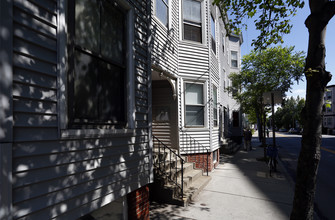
point(163, 191)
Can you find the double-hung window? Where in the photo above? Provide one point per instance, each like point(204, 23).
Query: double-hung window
point(192, 24)
point(213, 34)
point(215, 106)
point(194, 105)
point(97, 64)
point(234, 61)
point(162, 11)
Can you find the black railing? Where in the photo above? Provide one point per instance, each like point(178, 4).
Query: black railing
point(165, 160)
point(191, 146)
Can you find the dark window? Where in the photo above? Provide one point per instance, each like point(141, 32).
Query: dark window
point(192, 20)
point(223, 42)
point(215, 106)
point(162, 11)
point(236, 120)
point(213, 34)
point(97, 61)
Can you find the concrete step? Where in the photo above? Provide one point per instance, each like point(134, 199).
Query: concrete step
point(191, 176)
point(195, 188)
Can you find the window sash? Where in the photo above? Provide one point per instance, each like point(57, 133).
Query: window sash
point(192, 21)
point(162, 11)
point(192, 11)
point(234, 62)
point(194, 104)
point(95, 63)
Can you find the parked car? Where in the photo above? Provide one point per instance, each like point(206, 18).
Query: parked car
point(293, 131)
point(282, 130)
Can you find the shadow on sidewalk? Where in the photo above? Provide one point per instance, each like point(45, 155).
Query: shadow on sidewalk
point(274, 188)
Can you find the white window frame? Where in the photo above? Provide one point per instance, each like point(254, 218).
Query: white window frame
point(204, 89)
point(64, 131)
point(231, 59)
point(201, 23)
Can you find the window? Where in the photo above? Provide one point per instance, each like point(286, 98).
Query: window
point(223, 40)
point(162, 11)
point(213, 34)
point(97, 64)
point(192, 20)
point(234, 59)
point(215, 106)
point(194, 104)
point(236, 120)
point(215, 156)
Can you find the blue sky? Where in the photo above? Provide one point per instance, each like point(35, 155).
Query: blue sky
point(298, 38)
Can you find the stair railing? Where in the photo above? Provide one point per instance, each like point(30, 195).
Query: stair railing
point(161, 163)
point(192, 146)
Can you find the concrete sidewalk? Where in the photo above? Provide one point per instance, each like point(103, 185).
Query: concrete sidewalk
point(241, 188)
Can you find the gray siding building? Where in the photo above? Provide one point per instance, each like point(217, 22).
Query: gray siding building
point(75, 108)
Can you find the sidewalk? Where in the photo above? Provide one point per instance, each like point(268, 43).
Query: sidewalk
point(241, 188)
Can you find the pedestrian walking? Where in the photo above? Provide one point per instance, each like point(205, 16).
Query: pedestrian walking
point(247, 139)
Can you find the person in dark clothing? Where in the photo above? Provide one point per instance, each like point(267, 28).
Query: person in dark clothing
point(247, 139)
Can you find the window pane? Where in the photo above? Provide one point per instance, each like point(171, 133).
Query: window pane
point(111, 93)
point(212, 27)
point(234, 55)
point(192, 11)
point(162, 11)
point(234, 63)
point(112, 32)
point(87, 24)
point(85, 87)
point(194, 115)
point(192, 33)
point(194, 94)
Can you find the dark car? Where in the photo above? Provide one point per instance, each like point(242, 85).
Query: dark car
point(293, 131)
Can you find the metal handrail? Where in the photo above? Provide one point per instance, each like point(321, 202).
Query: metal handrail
point(163, 149)
point(194, 146)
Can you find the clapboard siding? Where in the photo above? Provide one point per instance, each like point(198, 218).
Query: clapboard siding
point(66, 177)
point(165, 40)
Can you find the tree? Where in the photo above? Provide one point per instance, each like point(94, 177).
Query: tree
point(272, 22)
point(289, 114)
point(264, 71)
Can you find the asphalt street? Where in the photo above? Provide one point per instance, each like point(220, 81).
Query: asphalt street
point(289, 148)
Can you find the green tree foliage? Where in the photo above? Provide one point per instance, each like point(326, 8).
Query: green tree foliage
point(263, 71)
point(288, 116)
point(271, 18)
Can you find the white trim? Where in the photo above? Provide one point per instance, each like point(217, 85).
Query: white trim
point(205, 105)
point(203, 23)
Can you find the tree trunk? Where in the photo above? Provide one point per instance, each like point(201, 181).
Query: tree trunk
point(317, 79)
